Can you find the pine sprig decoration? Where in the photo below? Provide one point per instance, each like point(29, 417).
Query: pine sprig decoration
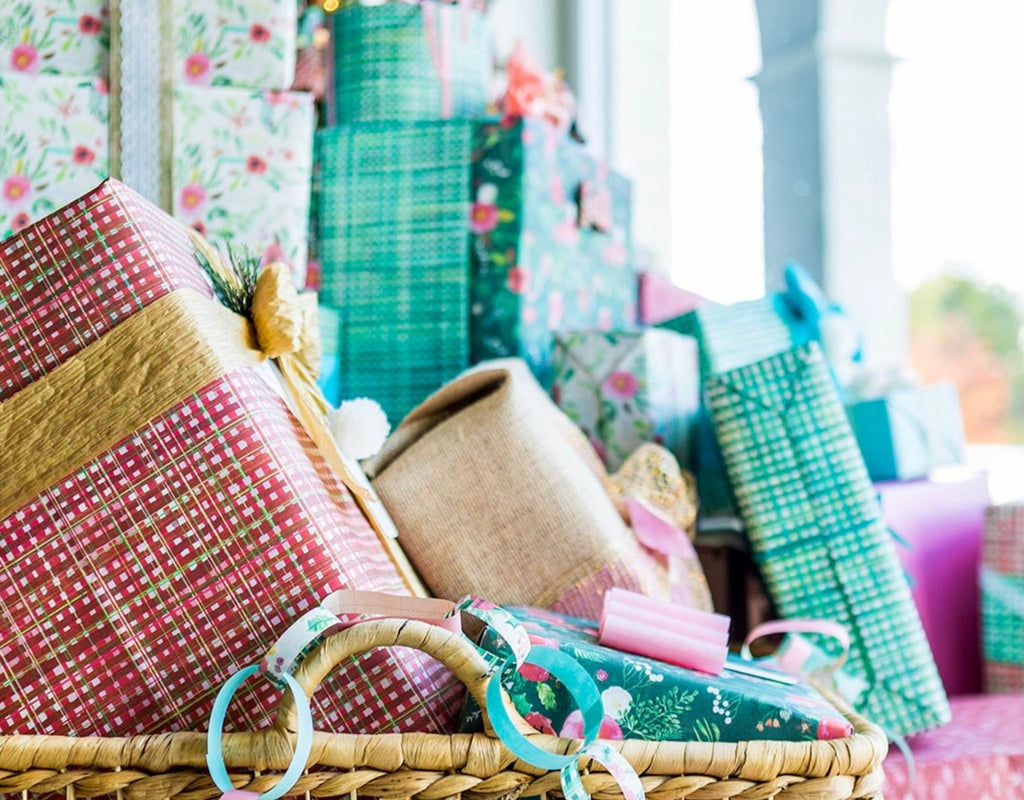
point(236, 294)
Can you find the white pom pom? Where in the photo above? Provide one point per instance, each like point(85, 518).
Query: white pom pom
point(359, 427)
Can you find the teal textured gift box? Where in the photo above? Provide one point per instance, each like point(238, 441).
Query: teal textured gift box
point(625, 388)
point(654, 701)
point(734, 335)
point(551, 242)
point(393, 249)
point(817, 531)
point(410, 61)
point(908, 431)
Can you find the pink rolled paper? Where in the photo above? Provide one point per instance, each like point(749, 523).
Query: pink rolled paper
point(637, 624)
point(632, 602)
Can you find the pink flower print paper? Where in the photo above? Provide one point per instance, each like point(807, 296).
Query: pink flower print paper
point(242, 169)
point(53, 144)
point(54, 37)
point(245, 43)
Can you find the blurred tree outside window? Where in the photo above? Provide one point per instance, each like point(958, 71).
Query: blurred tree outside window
point(969, 333)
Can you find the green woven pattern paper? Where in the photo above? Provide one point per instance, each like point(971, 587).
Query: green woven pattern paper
point(1002, 608)
point(385, 70)
point(735, 335)
point(393, 249)
point(817, 530)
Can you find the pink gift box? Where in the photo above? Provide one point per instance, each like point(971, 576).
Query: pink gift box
point(660, 299)
point(980, 754)
point(942, 521)
point(136, 583)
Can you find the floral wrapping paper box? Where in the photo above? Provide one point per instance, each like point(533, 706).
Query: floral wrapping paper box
point(145, 571)
point(550, 245)
point(626, 388)
point(651, 700)
point(246, 43)
point(249, 43)
point(70, 37)
point(243, 166)
point(242, 159)
point(53, 144)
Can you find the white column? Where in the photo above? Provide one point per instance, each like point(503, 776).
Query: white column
point(824, 91)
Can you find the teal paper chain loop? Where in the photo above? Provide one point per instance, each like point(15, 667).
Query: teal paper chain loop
point(303, 742)
point(580, 686)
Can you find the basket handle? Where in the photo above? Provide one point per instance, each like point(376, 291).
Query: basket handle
point(452, 650)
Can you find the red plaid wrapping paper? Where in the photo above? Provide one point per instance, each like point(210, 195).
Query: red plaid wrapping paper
point(132, 588)
point(979, 755)
point(1003, 547)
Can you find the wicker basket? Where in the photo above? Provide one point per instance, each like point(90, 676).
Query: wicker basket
point(431, 766)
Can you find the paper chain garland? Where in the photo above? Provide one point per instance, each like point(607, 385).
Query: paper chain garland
point(312, 627)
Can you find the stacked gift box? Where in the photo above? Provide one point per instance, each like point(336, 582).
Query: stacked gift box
point(242, 147)
point(447, 237)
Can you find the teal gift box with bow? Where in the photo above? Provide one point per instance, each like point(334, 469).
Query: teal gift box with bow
point(651, 700)
point(910, 430)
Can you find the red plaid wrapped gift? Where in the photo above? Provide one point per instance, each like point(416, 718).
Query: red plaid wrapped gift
point(141, 572)
point(979, 755)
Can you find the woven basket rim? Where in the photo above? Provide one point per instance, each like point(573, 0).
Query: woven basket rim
point(423, 764)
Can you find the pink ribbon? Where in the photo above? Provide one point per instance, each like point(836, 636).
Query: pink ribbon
point(799, 650)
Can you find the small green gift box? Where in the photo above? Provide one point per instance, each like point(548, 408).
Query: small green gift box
point(654, 701)
point(330, 359)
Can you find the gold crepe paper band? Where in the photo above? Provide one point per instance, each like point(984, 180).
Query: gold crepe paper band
point(166, 352)
point(115, 386)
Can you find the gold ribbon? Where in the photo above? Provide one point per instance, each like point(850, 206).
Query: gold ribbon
point(167, 351)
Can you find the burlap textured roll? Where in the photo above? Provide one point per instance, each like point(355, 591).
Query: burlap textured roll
point(494, 493)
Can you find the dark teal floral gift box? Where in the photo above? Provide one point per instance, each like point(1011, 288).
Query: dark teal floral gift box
point(551, 244)
point(651, 700)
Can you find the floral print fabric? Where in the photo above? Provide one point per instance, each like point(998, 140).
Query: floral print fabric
point(647, 699)
point(53, 144)
point(242, 169)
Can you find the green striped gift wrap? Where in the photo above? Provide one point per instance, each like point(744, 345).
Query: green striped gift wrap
point(393, 247)
point(817, 530)
point(393, 60)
